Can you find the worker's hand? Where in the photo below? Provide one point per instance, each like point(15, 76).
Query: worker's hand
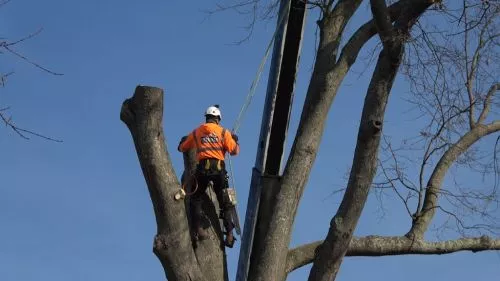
point(235, 137)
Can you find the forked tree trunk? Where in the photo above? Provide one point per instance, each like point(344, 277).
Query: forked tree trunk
point(331, 253)
point(173, 245)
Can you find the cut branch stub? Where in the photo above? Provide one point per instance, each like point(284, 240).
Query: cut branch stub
point(143, 115)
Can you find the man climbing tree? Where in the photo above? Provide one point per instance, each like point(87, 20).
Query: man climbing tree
point(211, 142)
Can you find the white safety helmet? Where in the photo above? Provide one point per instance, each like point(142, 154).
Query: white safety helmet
point(213, 110)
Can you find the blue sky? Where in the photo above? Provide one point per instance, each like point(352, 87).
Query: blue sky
point(79, 210)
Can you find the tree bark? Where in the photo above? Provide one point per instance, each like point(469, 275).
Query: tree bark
point(271, 257)
point(326, 78)
point(425, 215)
point(210, 252)
point(376, 246)
point(383, 22)
point(186, 259)
point(142, 113)
point(331, 253)
point(487, 102)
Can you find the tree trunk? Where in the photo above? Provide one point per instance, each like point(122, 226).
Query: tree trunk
point(270, 259)
point(172, 244)
point(331, 253)
point(342, 226)
point(209, 252)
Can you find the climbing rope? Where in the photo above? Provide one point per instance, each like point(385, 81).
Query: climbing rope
point(189, 182)
point(254, 84)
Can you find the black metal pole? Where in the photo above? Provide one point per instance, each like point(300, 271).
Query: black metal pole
point(274, 129)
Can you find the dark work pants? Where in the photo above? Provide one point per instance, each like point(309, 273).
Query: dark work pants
point(220, 182)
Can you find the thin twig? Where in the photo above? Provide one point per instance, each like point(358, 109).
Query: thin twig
point(29, 61)
point(24, 38)
point(22, 132)
point(3, 78)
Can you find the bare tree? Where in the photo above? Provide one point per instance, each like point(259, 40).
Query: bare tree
point(401, 29)
point(454, 78)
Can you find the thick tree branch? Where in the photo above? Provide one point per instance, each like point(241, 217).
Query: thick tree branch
point(326, 78)
point(432, 148)
point(376, 246)
point(143, 115)
point(330, 255)
point(320, 94)
point(383, 22)
point(424, 216)
point(210, 253)
point(487, 102)
point(364, 33)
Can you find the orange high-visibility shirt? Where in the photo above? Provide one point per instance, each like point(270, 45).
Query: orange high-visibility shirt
point(211, 141)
